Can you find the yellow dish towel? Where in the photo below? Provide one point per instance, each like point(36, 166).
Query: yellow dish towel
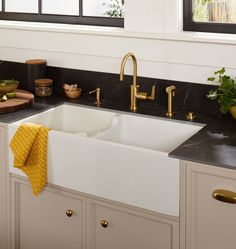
point(29, 146)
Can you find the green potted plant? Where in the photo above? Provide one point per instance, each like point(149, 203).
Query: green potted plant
point(225, 93)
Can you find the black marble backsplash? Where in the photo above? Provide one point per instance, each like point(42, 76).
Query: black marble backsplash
point(189, 96)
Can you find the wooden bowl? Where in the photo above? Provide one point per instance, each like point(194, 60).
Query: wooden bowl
point(8, 88)
point(74, 94)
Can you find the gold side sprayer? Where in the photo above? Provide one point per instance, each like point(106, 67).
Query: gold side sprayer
point(171, 93)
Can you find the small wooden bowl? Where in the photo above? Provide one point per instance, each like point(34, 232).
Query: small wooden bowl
point(73, 94)
point(8, 88)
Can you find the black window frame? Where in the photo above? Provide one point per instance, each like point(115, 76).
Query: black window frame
point(66, 19)
point(190, 25)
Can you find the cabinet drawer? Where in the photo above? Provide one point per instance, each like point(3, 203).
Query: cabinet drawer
point(43, 221)
point(211, 223)
point(115, 227)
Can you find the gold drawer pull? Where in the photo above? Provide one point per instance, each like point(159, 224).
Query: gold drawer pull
point(224, 196)
point(69, 212)
point(104, 223)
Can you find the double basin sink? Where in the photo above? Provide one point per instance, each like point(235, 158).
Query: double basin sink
point(114, 155)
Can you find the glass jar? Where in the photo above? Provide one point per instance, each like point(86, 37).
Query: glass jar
point(43, 87)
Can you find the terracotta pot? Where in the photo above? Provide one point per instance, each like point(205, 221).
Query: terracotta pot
point(233, 111)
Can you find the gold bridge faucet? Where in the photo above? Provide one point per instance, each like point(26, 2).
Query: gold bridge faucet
point(135, 94)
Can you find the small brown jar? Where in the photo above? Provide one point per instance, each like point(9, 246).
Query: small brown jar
point(43, 87)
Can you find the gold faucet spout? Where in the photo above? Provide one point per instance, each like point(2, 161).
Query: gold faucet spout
point(135, 68)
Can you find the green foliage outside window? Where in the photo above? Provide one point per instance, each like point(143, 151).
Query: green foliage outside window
point(115, 8)
point(200, 10)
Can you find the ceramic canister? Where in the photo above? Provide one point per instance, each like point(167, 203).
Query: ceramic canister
point(36, 69)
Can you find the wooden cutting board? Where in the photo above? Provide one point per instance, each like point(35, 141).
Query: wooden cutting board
point(23, 99)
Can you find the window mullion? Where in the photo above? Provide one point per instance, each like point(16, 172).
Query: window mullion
point(80, 8)
point(39, 7)
point(3, 5)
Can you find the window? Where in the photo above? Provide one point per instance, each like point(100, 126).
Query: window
point(90, 12)
point(210, 16)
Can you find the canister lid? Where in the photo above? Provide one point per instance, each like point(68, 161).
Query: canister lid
point(43, 82)
point(36, 62)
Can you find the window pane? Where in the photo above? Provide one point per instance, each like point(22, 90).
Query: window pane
point(25, 6)
point(0, 5)
point(216, 11)
point(107, 8)
point(61, 7)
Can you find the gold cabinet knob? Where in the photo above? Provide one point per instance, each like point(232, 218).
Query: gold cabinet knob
point(69, 212)
point(224, 196)
point(104, 223)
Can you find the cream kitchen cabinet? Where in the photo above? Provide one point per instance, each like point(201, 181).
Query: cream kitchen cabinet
point(114, 226)
point(3, 190)
point(42, 222)
point(206, 222)
point(54, 219)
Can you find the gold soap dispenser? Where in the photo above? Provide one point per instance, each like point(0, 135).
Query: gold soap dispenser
point(98, 96)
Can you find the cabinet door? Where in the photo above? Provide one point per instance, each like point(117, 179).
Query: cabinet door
point(210, 223)
point(115, 227)
point(46, 221)
point(3, 201)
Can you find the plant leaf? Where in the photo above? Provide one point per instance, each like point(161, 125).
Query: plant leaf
point(226, 92)
point(212, 95)
point(221, 71)
point(211, 79)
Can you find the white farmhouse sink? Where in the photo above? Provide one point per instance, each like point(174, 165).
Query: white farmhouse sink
point(113, 155)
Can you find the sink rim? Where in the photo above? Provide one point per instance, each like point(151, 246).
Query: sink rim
point(201, 124)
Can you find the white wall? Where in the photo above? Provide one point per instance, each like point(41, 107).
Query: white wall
point(157, 16)
point(163, 51)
